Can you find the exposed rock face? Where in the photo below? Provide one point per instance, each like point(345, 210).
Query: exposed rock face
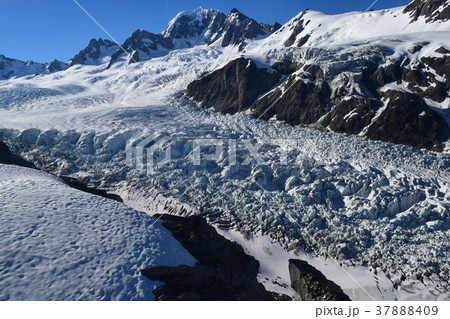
point(270, 28)
point(303, 102)
point(6, 157)
point(143, 43)
point(95, 50)
point(56, 66)
point(233, 88)
point(408, 120)
point(431, 10)
point(361, 110)
point(134, 57)
point(224, 271)
point(441, 65)
point(442, 50)
point(312, 285)
point(298, 28)
point(238, 27)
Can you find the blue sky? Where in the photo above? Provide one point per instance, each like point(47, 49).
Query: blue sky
point(42, 30)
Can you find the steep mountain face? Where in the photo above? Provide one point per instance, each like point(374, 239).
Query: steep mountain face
point(95, 52)
point(431, 10)
point(340, 100)
point(408, 120)
point(398, 93)
point(238, 27)
point(298, 27)
point(233, 88)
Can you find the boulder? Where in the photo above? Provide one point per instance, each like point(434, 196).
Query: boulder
point(311, 285)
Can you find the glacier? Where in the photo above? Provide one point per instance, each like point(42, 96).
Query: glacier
point(381, 210)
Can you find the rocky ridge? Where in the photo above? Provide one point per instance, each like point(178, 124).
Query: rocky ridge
point(431, 10)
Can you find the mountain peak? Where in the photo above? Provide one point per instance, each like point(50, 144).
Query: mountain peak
point(189, 24)
point(96, 49)
point(238, 27)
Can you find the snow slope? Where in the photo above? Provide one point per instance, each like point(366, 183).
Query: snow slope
point(57, 242)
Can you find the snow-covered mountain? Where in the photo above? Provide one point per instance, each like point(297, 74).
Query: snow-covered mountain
point(188, 29)
point(15, 68)
point(379, 77)
point(380, 74)
point(203, 23)
point(95, 53)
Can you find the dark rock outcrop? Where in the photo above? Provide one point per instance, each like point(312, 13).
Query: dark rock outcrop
point(351, 115)
point(311, 285)
point(224, 271)
point(270, 28)
point(302, 41)
point(286, 67)
point(56, 66)
point(408, 120)
point(442, 50)
point(6, 157)
point(134, 57)
point(298, 28)
point(303, 102)
point(233, 88)
point(441, 65)
point(429, 9)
